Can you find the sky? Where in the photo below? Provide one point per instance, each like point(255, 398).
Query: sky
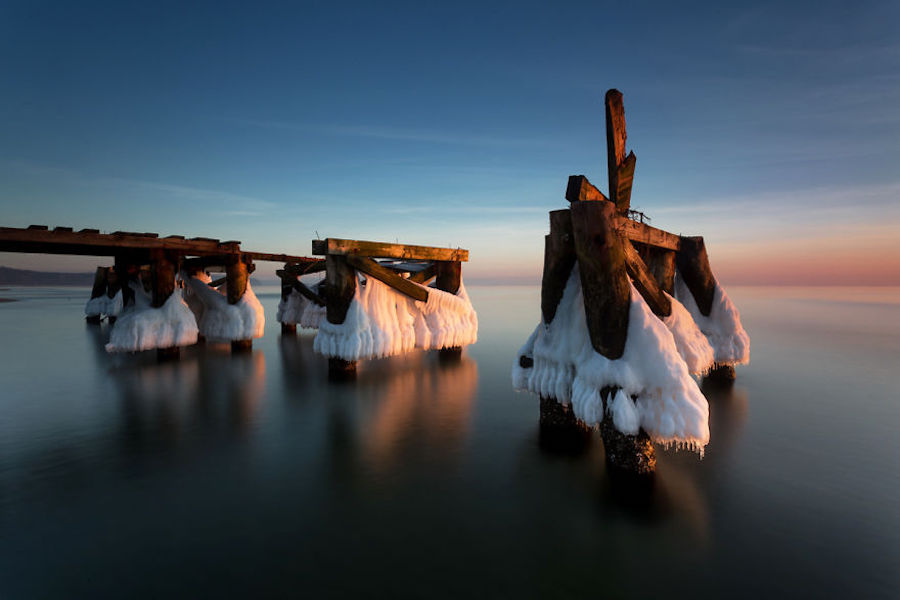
point(770, 128)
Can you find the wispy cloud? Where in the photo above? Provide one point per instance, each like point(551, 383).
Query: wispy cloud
point(399, 133)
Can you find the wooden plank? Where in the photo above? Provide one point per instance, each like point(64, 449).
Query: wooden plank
point(693, 267)
point(615, 145)
point(646, 234)
point(645, 282)
point(38, 227)
point(625, 181)
point(579, 189)
point(425, 275)
point(92, 243)
point(316, 265)
point(604, 280)
point(282, 258)
point(388, 277)
point(340, 247)
point(62, 229)
point(559, 259)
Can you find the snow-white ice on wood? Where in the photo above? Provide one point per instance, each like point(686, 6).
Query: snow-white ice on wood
point(142, 327)
point(657, 392)
point(224, 322)
point(383, 322)
point(297, 309)
point(723, 329)
point(104, 305)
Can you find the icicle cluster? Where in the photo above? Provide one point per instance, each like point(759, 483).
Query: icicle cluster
point(656, 391)
point(383, 322)
point(142, 327)
point(298, 309)
point(104, 305)
point(224, 322)
point(723, 329)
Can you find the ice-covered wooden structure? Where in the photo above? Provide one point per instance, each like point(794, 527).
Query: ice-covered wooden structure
point(140, 291)
point(375, 301)
point(630, 314)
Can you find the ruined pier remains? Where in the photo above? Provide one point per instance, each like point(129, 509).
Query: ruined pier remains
point(375, 301)
point(630, 315)
point(138, 292)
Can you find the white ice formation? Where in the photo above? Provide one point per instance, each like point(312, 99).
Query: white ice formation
point(723, 329)
point(383, 322)
point(193, 302)
point(142, 327)
point(657, 392)
point(104, 305)
point(297, 309)
point(224, 322)
point(692, 344)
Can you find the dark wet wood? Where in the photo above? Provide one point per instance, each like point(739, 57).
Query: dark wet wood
point(236, 277)
point(162, 278)
point(604, 280)
point(644, 282)
point(388, 277)
point(448, 276)
point(694, 269)
point(99, 287)
point(624, 182)
point(662, 265)
point(335, 246)
point(340, 281)
point(559, 258)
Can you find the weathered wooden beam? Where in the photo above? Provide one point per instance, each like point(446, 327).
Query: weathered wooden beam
point(579, 189)
point(162, 278)
point(448, 276)
point(425, 275)
point(694, 269)
point(559, 258)
point(615, 145)
point(604, 280)
point(645, 282)
point(624, 182)
point(335, 246)
point(340, 281)
point(662, 264)
point(289, 281)
point(308, 293)
point(646, 234)
point(388, 277)
point(236, 277)
point(282, 258)
point(315, 265)
point(92, 243)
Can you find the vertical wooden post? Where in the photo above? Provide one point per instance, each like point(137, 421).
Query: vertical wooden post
point(448, 277)
point(162, 286)
point(340, 282)
point(113, 285)
point(559, 259)
point(625, 453)
point(661, 263)
point(287, 287)
point(694, 269)
point(236, 277)
point(619, 166)
point(98, 289)
point(604, 280)
point(125, 271)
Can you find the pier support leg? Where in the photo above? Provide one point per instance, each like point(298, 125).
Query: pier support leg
point(662, 265)
point(560, 431)
point(237, 274)
point(626, 454)
point(721, 374)
point(604, 280)
point(448, 277)
point(694, 269)
point(113, 285)
point(288, 328)
point(286, 288)
point(340, 282)
point(97, 290)
point(559, 259)
point(162, 286)
point(341, 370)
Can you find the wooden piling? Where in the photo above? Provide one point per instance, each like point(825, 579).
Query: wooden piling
point(237, 274)
point(559, 259)
point(661, 263)
point(604, 280)
point(340, 282)
point(619, 166)
point(448, 278)
point(287, 287)
point(162, 286)
point(125, 270)
point(98, 289)
point(694, 269)
point(625, 453)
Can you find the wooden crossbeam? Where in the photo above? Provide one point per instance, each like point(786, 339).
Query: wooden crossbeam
point(339, 247)
point(388, 277)
point(282, 258)
point(645, 282)
point(580, 189)
point(425, 275)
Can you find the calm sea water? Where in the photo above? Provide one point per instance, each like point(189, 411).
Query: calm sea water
point(253, 476)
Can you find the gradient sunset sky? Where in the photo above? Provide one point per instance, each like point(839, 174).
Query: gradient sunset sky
point(770, 128)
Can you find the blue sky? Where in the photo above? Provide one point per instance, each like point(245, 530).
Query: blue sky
point(773, 129)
